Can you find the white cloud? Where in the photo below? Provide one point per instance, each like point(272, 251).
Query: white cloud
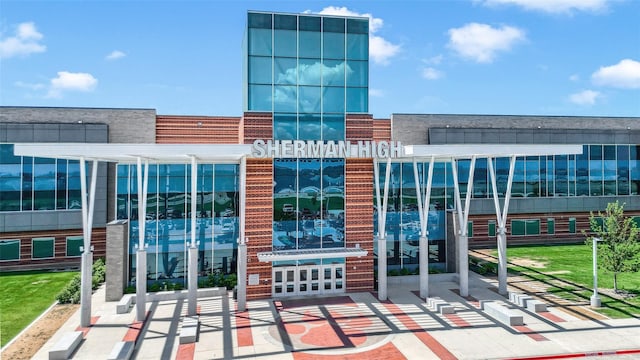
point(115, 54)
point(68, 81)
point(574, 77)
point(481, 42)
point(585, 97)
point(380, 49)
point(552, 6)
point(625, 74)
point(25, 41)
point(431, 73)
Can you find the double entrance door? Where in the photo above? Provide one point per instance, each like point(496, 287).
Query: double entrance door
point(308, 280)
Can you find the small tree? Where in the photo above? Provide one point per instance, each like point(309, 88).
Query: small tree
point(618, 248)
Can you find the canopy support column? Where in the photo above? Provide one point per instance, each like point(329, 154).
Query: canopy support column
point(86, 266)
point(381, 205)
point(141, 253)
point(463, 229)
point(192, 296)
point(423, 210)
point(501, 217)
point(242, 241)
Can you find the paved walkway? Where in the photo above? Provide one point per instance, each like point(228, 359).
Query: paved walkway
point(356, 326)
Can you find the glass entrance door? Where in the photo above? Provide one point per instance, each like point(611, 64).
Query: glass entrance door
point(308, 280)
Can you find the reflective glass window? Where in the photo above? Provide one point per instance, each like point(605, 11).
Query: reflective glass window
point(42, 248)
point(333, 99)
point(284, 127)
point(259, 20)
point(286, 71)
point(309, 44)
point(27, 183)
point(309, 72)
point(260, 69)
point(333, 73)
point(358, 26)
point(333, 46)
point(260, 97)
point(595, 170)
point(480, 179)
point(357, 47)
point(610, 170)
point(285, 43)
point(357, 100)
point(333, 25)
point(61, 184)
point(572, 175)
point(285, 22)
point(532, 167)
point(634, 168)
point(309, 23)
point(561, 176)
point(333, 127)
point(623, 169)
point(357, 73)
point(260, 42)
point(9, 250)
point(285, 98)
point(310, 127)
point(310, 99)
point(582, 172)
point(73, 245)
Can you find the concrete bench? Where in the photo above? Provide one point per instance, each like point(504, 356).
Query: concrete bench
point(503, 314)
point(527, 302)
point(122, 350)
point(189, 329)
point(65, 346)
point(125, 303)
point(440, 306)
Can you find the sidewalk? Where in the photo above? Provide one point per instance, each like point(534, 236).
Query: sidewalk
point(356, 326)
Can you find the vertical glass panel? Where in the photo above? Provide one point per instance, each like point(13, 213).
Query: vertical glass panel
point(333, 207)
point(572, 225)
point(492, 228)
point(623, 169)
point(27, 183)
point(333, 46)
point(532, 168)
point(333, 127)
point(310, 202)
point(310, 127)
point(518, 187)
point(595, 170)
point(285, 43)
point(285, 98)
point(357, 46)
point(610, 170)
point(10, 179)
point(572, 174)
point(634, 168)
point(357, 73)
point(333, 73)
point(309, 23)
point(582, 172)
point(551, 226)
point(480, 176)
point(260, 69)
point(561, 176)
point(285, 206)
point(309, 72)
point(310, 99)
point(502, 175)
point(463, 176)
point(358, 26)
point(259, 20)
point(260, 42)
point(518, 227)
point(260, 97)
point(61, 184)
point(42, 248)
point(286, 71)
point(333, 99)
point(309, 44)
point(543, 176)
point(284, 126)
point(73, 246)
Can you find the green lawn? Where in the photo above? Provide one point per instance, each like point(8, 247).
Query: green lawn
point(573, 264)
point(24, 296)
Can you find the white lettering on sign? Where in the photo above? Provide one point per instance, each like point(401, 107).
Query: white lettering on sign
point(328, 149)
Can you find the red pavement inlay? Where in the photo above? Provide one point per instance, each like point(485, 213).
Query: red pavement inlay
point(133, 334)
point(548, 315)
point(186, 351)
point(473, 301)
point(85, 330)
point(420, 333)
point(530, 333)
point(386, 352)
point(243, 328)
point(457, 320)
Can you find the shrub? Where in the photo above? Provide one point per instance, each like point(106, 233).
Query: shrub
point(70, 294)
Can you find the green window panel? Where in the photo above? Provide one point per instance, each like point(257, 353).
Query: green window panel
point(9, 250)
point(42, 248)
point(74, 243)
point(517, 227)
point(551, 226)
point(525, 227)
point(572, 225)
point(470, 229)
point(532, 227)
point(492, 228)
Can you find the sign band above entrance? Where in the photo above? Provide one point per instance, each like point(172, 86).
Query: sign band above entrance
point(328, 149)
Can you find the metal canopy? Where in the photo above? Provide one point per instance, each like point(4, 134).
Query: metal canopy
point(304, 254)
point(129, 153)
point(467, 151)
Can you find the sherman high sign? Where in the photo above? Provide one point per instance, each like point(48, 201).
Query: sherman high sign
point(328, 149)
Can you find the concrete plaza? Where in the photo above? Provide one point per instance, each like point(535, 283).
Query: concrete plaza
point(358, 326)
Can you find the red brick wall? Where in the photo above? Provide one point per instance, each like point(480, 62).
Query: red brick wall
point(256, 126)
point(197, 130)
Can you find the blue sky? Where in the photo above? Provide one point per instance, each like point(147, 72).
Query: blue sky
point(523, 57)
